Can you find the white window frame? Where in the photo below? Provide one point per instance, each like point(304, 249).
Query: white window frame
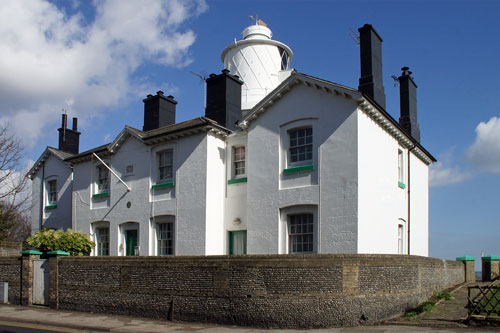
point(158, 222)
point(163, 243)
point(305, 223)
point(284, 245)
point(94, 227)
point(159, 166)
point(51, 192)
point(305, 144)
point(98, 177)
point(401, 166)
point(98, 240)
point(237, 161)
point(401, 236)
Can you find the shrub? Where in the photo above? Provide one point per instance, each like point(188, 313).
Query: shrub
point(442, 295)
point(74, 242)
point(421, 308)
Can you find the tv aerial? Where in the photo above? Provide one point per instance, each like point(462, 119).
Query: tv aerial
point(204, 79)
point(355, 36)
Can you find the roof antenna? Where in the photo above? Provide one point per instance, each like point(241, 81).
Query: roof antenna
point(396, 80)
point(355, 36)
point(64, 127)
point(204, 79)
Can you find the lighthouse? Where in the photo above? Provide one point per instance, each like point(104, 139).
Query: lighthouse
point(261, 62)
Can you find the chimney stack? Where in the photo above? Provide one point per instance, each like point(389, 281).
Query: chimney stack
point(408, 104)
point(69, 139)
point(224, 99)
point(370, 82)
point(159, 111)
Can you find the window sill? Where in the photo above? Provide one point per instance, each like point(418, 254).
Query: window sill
point(237, 180)
point(401, 185)
point(100, 195)
point(52, 206)
point(299, 168)
point(163, 185)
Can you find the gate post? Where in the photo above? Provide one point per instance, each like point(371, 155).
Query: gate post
point(469, 268)
point(490, 267)
point(54, 277)
point(27, 275)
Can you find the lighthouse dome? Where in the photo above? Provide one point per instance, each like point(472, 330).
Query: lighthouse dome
point(261, 62)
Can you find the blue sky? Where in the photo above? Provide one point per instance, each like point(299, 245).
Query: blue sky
point(98, 60)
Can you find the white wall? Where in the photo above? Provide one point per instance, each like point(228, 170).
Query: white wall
point(383, 204)
point(53, 169)
point(331, 186)
point(419, 207)
point(215, 193)
point(186, 201)
point(87, 211)
point(235, 205)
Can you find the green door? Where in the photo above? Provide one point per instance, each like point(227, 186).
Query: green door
point(130, 242)
point(238, 242)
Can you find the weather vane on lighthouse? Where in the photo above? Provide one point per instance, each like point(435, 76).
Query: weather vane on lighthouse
point(257, 21)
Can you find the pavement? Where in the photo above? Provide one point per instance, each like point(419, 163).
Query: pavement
point(447, 316)
point(447, 313)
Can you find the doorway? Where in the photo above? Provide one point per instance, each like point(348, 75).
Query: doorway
point(41, 281)
point(130, 242)
point(238, 242)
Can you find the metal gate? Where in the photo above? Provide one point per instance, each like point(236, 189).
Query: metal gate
point(41, 281)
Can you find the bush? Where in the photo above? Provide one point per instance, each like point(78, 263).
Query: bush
point(74, 242)
point(442, 295)
point(421, 308)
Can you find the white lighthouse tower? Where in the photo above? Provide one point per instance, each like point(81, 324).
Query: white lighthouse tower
point(260, 62)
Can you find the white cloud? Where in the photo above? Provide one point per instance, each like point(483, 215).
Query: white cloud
point(444, 173)
point(485, 151)
point(50, 60)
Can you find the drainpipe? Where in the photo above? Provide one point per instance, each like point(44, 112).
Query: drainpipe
point(42, 184)
point(409, 201)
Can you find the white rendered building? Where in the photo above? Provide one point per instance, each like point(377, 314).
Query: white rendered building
point(282, 162)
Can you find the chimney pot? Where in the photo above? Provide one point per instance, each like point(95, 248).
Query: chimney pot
point(224, 99)
point(64, 121)
point(370, 81)
point(149, 96)
point(159, 111)
point(408, 104)
point(69, 140)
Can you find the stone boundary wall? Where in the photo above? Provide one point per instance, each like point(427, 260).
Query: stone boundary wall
point(285, 291)
point(10, 271)
point(10, 248)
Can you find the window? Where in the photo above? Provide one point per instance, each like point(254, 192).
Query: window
point(102, 239)
point(400, 239)
point(165, 235)
point(300, 149)
point(284, 58)
point(102, 179)
point(401, 178)
point(52, 191)
point(300, 233)
point(239, 161)
point(165, 166)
